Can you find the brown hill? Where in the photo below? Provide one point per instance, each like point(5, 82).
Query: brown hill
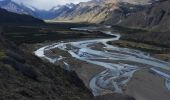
point(102, 11)
point(156, 18)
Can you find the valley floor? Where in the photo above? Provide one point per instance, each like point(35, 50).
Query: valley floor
point(87, 56)
point(156, 51)
point(140, 86)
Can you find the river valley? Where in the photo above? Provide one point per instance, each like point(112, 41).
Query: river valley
point(107, 69)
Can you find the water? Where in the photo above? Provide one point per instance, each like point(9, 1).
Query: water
point(116, 75)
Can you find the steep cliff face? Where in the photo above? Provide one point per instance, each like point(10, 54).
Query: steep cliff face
point(157, 17)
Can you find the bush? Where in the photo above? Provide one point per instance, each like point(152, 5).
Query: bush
point(2, 54)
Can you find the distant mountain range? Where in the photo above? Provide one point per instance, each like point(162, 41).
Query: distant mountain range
point(91, 11)
point(104, 11)
point(131, 13)
point(14, 7)
point(29, 10)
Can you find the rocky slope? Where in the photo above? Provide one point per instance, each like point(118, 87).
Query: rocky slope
point(156, 18)
point(94, 11)
point(103, 11)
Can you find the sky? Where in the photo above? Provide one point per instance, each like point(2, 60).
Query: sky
point(47, 4)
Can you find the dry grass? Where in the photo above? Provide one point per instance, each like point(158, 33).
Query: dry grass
point(141, 46)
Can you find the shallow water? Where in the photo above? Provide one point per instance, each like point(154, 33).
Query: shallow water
point(116, 75)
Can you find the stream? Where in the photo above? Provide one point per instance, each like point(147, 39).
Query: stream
point(120, 63)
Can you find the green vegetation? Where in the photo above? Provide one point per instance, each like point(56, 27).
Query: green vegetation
point(140, 46)
point(128, 30)
point(25, 77)
point(157, 51)
point(47, 32)
point(2, 54)
point(160, 39)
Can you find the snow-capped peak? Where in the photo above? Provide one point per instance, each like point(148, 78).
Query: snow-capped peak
point(70, 5)
point(56, 7)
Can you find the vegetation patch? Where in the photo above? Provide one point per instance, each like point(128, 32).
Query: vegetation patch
point(49, 32)
point(2, 54)
point(140, 46)
point(128, 30)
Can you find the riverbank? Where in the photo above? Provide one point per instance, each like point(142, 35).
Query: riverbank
point(155, 43)
point(154, 50)
point(105, 68)
point(94, 61)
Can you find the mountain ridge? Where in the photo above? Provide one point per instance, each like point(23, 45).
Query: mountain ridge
point(10, 17)
point(16, 8)
point(65, 11)
point(29, 10)
point(99, 11)
point(155, 18)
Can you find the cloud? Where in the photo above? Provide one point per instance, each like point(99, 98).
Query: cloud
point(47, 4)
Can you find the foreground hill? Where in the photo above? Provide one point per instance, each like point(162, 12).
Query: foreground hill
point(10, 17)
point(23, 76)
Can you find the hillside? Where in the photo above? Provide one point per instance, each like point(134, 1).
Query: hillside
point(24, 76)
point(103, 11)
point(156, 18)
point(16, 8)
point(10, 17)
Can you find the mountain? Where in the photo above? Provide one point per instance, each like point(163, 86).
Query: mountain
point(103, 11)
point(16, 8)
point(10, 17)
point(53, 12)
point(29, 10)
point(157, 17)
point(61, 10)
point(155, 20)
point(94, 11)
